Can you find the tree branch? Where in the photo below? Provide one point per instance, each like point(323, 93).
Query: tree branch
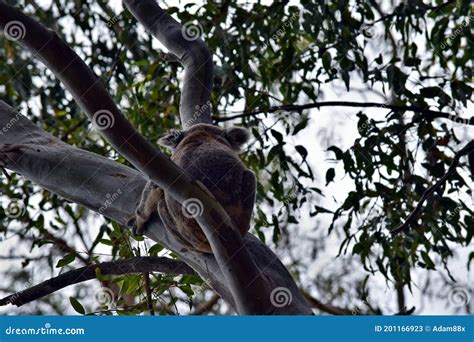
point(426, 113)
point(247, 283)
point(428, 192)
point(114, 190)
point(132, 265)
point(191, 51)
point(330, 309)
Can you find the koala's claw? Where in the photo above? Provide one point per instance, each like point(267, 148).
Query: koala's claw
point(138, 225)
point(139, 231)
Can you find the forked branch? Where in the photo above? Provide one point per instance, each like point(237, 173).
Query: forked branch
point(246, 282)
point(190, 50)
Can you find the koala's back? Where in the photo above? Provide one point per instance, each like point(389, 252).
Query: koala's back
point(225, 176)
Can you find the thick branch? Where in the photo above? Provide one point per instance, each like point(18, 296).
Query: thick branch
point(426, 113)
point(250, 289)
point(114, 190)
point(428, 192)
point(133, 265)
point(192, 52)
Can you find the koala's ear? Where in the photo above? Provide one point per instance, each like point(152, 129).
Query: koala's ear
point(172, 139)
point(237, 136)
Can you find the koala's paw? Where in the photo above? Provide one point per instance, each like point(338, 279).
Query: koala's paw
point(138, 225)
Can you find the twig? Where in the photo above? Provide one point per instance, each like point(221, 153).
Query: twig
point(149, 299)
point(6, 174)
point(427, 113)
point(132, 265)
point(428, 192)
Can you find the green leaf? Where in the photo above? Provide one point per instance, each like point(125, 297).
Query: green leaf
point(186, 289)
point(66, 260)
point(330, 174)
point(471, 257)
point(300, 126)
point(346, 79)
point(302, 151)
point(327, 60)
point(337, 151)
point(155, 249)
point(278, 136)
point(191, 279)
point(77, 306)
point(427, 260)
point(430, 92)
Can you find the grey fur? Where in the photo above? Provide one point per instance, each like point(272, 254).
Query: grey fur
point(209, 155)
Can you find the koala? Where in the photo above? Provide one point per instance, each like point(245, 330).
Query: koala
point(209, 155)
